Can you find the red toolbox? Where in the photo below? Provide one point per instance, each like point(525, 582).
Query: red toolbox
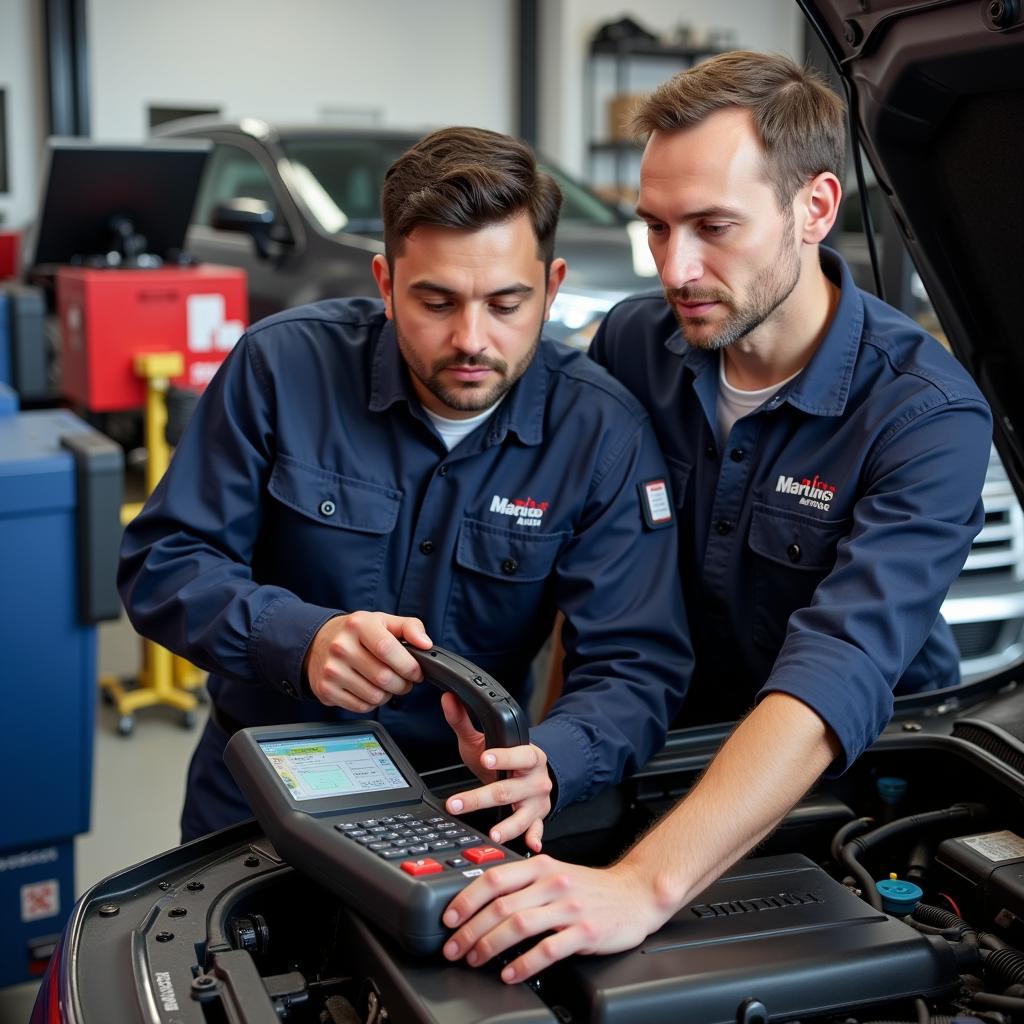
point(10, 246)
point(108, 317)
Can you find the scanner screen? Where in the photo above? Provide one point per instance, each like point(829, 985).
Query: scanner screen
point(326, 766)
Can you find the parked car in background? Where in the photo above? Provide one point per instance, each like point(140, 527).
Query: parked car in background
point(299, 209)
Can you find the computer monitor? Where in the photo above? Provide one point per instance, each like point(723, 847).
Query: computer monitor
point(99, 199)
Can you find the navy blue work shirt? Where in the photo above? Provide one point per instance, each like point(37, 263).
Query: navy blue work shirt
point(310, 482)
point(818, 542)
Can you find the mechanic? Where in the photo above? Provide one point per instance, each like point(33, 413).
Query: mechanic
point(420, 467)
point(827, 459)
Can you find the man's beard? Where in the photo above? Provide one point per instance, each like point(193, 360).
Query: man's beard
point(468, 396)
point(772, 285)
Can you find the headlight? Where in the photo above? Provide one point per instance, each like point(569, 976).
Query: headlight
point(575, 316)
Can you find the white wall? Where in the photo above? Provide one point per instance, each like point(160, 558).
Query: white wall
point(414, 63)
point(20, 77)
point(771, 25)
point(418, 64)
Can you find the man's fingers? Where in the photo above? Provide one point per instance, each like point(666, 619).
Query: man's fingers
point(509, 907)
point(528, 814)
point(407, 628)
point(512, 759)
point(378, 635)
point(547, 952)
point(534, 836)
point(340, 677)
point(492, 883)
point(515, 927)
point(496, 794)
point(458, 718)
point(363, 665)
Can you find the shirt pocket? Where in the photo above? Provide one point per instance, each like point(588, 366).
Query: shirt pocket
point(332, 533)
point(501, 589)
point(793, 554)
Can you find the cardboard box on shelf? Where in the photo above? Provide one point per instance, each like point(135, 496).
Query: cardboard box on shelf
point(619, 110)
point(618, 195)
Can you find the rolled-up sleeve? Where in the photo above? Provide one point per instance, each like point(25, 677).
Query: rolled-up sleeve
point(912, 529)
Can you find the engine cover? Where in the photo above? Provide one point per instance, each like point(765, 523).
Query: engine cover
point(777, 930)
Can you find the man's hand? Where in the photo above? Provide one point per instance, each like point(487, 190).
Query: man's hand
point(590, 910)
point(527, 788)
point(748, 787)
point(356, 662)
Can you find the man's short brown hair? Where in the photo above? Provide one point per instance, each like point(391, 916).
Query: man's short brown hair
point(800, 120)
point(468, 178)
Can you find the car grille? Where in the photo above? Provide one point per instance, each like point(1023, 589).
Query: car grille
point(976, 639)
point(999, 547)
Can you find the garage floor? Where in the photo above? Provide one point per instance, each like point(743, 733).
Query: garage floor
point(138, 784)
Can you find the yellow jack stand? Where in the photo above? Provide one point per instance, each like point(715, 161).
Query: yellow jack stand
point(164, 678)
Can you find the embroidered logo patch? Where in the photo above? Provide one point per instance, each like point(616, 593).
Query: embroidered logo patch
point(812, 491)
point(655, 503)
point(526, 511)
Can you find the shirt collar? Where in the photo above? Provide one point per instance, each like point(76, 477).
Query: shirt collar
point(823, 387)
point(522, 412)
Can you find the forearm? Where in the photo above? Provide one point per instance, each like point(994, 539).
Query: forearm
point(774, 756)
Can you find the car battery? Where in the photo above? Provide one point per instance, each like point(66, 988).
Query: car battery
point(10, 253)
point(60, 495)
point(108, 317)
point(987, 875)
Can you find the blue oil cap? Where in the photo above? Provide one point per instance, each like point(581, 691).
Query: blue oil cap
point(898, 897)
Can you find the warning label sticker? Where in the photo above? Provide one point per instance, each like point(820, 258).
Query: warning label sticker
point(997, 846)
point(40, 899)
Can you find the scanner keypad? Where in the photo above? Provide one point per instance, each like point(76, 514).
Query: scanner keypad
point(412, 835)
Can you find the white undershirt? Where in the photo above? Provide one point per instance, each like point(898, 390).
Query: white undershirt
point(453, 431)
point(734, 404)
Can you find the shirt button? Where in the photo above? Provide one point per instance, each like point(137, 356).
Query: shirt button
point(509, 566)
point(710, 452)
point(737, 455)
point(794, 552)
point(427, 547)
point(327, 508)
point(443, 471)
point(723, 526)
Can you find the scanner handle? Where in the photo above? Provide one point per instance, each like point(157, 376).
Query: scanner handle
point(502, 720)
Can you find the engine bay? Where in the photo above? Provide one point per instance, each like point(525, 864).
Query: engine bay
point(224, 930)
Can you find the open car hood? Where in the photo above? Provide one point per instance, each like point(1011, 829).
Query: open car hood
point(936, 94)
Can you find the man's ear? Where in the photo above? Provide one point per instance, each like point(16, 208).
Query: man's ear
point(556, 275)
point(382, 275)
point(819, 203)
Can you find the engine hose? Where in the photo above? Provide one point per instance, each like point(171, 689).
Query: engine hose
point(918, 863)
point(937, 917)
point(1005, 967)
point(939, 921)
point(958, 812)
point(842, 837)
point(849, 854)
point(1014, 1005)
point(848, 857)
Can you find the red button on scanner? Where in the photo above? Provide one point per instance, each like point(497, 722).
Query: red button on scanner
point(423, 866)
point(483, 854)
